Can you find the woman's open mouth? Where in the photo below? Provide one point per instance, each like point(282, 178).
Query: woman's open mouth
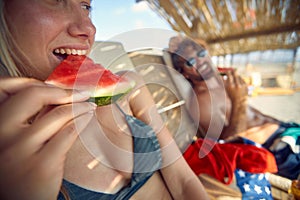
point(62, 53)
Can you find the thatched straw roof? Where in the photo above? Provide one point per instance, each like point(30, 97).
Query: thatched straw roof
point(235, 26)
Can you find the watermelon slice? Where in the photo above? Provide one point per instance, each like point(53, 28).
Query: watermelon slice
point(81, 73)
point(224, 70)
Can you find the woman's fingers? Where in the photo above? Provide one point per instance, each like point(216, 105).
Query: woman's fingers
point(33, 151)
point(48, 125)
point(9, 86)
point(22, 99)
point(61, 142)
point(20, 107)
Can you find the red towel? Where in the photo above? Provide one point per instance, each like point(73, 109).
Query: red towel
point(220, 160)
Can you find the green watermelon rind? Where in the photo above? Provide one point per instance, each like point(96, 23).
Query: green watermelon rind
point(102, 91)
point(102, 99)
point(121, 87)
point(106, 100)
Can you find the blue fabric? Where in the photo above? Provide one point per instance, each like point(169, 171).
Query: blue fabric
point(282, 127)
point(287, 161)
point(253, 186)
point(76, 192)
point(147, 160)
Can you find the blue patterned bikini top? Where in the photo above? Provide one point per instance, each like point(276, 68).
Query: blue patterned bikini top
point(147, 160)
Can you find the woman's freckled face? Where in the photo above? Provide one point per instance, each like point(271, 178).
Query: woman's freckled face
point(41, 26)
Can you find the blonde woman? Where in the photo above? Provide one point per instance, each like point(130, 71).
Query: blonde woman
point(41, 154)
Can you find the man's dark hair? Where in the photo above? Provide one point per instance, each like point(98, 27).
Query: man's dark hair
point(177, 57)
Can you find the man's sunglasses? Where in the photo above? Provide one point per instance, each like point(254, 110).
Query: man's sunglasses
point(192, 61)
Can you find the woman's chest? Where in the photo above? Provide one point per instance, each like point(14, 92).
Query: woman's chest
point(154, 188)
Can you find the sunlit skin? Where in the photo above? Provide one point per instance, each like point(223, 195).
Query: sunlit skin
point(42, 147)
point(117, 172)
point(223, 111)
point(40, 27)
point(214, 103)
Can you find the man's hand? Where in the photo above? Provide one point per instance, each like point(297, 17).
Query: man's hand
point(237, 91)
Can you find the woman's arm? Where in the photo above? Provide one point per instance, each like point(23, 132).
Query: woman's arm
point(178, 176)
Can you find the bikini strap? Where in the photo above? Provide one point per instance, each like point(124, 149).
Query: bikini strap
point(147, 154)
point(118, 106)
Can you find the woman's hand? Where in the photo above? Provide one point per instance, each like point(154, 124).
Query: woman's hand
point(33, 149)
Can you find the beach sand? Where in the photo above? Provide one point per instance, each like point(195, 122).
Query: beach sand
point(282, 107)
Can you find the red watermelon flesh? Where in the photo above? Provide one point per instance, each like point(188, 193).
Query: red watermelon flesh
point(224, 70)
point(81, 73)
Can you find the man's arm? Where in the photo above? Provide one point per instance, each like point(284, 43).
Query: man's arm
point(237, 91)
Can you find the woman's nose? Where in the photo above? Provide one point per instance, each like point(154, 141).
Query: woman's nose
point(82, 26)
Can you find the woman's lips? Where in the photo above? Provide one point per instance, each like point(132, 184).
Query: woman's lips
point(62, 53)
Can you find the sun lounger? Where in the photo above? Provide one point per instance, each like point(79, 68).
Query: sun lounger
point(169, 91)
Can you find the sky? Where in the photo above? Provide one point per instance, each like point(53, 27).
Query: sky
point(114, 17)
point(133, 24)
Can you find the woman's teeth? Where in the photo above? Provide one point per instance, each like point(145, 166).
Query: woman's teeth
point(70, 51)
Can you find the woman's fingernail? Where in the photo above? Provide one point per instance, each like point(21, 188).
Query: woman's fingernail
point(93, 104)
point(80, 95)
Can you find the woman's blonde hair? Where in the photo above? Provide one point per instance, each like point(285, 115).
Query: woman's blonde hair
point(9, 61)
point(10, 64)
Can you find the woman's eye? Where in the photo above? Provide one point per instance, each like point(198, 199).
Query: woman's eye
point(86, 7)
